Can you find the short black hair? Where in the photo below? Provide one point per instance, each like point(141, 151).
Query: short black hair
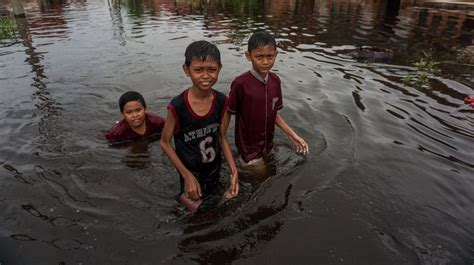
point(202, 50)
point(260, 39)
point(130, 96)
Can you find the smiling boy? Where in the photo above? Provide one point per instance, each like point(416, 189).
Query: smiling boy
point(136, 121)
point(195, 120)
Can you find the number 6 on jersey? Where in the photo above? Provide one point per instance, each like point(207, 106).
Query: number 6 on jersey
point(208, 153)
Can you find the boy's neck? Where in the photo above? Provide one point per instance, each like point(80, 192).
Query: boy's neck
point(200, 94)
point(200, 101)
point(257, 75)
point(141, 129)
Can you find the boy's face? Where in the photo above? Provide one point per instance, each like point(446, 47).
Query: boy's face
point(262, 59)
point(134, 113)
point(203, 74)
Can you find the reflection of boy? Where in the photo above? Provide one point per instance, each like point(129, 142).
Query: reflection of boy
point(255, 97)
point(136, 121)
point(195, 122)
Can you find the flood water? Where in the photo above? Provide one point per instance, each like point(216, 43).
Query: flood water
point(389, 179)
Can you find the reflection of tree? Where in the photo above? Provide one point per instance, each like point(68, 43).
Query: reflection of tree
point(115, 9)
point(248, 8)
point(18, 9)
point(135, 7)
point(44, 102)
point(51, 5)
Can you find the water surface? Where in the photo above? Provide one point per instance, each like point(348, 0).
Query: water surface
point(389, 179)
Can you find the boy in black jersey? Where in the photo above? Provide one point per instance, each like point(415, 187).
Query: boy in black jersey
point(198, 122)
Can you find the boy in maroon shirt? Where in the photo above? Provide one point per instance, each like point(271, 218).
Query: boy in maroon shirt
point(136, 121)
point(255, 98)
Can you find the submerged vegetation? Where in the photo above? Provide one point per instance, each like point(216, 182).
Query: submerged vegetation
point(426, 65)
point(7, 27)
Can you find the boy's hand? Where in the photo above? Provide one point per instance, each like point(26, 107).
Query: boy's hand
point(192, 189)
point(234, 185)
point(300, 145)
point(190, 204)
point(233, 189)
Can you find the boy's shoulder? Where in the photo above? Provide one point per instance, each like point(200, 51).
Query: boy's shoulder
point(219, 94)
point(243, 76)
point(248, 76)
point(273, 75)
point(178, 99)
point(155, 123)
point(154, 118)
point(181, 94)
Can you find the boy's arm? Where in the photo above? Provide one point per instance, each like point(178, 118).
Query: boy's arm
point(233, 99)
point(234, 177)
point(191, 185)
point(300, 144)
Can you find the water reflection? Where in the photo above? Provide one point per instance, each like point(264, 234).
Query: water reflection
point(385, 24)
point(116, 15)
point(49, 109)
point(236, 232)
point(138, 155)
point(390, 173)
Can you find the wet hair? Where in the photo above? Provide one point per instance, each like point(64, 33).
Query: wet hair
point(202, 50)
point(130, 96)
point(260, 39)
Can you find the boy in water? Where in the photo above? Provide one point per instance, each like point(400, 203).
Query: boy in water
point(255, 98)
point(136, 122)
point(195, 120)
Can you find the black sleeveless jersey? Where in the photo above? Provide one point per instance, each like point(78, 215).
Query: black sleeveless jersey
point(196, 138)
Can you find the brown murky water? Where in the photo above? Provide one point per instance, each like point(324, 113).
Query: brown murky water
point(389, 180)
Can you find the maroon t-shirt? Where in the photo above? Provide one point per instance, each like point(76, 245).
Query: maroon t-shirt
point(255, 102)
point(121, 131)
